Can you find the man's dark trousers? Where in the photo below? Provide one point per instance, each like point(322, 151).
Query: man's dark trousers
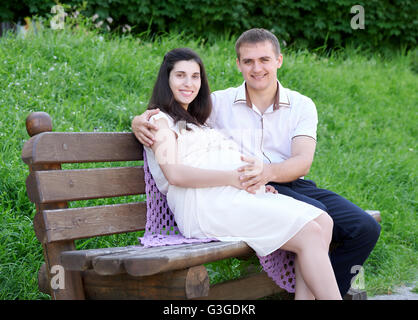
point(354, 230)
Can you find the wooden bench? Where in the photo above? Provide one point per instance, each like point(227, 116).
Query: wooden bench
point(132, 272)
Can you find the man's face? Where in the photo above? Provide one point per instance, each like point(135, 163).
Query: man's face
point(258, 64)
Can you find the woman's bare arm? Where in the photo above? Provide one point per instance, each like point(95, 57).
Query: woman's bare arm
point(165, 150)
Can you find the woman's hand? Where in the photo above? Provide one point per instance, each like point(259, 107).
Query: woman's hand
point(141, 127)
point(234, 180)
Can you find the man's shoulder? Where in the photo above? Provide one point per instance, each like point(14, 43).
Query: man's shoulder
point(298, 99)
point(225, 97)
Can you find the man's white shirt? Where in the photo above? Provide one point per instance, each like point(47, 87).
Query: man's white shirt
point(267, 136)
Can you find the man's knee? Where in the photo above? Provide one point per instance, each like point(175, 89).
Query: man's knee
point(368, 228)
point(375, 229)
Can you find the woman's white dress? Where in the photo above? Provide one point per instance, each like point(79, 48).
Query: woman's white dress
point(265, 221)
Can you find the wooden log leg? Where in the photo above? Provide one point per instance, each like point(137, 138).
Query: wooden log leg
point(173, 285)
point(43, 284)
point(62, 284)
point(197, 282)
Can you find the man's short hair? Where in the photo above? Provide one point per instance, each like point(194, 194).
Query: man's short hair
point(257, 35)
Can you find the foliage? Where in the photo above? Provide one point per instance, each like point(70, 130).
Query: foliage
point(304, 23)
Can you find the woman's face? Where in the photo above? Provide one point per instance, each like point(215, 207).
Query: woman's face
point(184, 81)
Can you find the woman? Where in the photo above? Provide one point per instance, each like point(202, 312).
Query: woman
point(196, 167)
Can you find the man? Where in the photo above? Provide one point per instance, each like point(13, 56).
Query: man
point(278, 125)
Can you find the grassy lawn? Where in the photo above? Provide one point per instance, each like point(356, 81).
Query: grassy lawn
point(367, 146)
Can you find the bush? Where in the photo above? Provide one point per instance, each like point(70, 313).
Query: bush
point(305, 23)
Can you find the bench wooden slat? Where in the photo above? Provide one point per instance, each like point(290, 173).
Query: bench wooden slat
point(139, 261)
point(87, 222)
point(154, 260)
point(253, 286)
point(80, 260)
point(83, 184)
point(79, 147)
point(114, 263)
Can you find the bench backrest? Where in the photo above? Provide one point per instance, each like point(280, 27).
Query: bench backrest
point(50, 187)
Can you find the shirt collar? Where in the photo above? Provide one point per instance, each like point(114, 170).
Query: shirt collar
point(281, 99)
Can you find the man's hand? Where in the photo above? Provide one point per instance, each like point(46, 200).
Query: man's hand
point(271, 189)
point(254, 174)
point(141, 127)
point(257, 173)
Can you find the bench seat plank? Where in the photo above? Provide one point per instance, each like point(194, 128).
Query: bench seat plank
point(185, 257)
point(139, 261)
point(114, 263)
point(80, 260)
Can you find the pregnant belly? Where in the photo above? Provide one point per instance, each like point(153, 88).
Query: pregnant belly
point(215, 159)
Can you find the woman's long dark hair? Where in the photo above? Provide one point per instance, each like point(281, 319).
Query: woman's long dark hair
point(162, 97)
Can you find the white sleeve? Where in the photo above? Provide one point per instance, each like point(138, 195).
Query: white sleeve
point(162, 115)
point(308, 120)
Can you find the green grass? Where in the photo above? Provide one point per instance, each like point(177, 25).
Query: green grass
point(367, 146)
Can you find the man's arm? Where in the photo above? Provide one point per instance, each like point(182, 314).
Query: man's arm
point(258, 173)
point(141, 127)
